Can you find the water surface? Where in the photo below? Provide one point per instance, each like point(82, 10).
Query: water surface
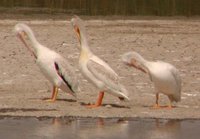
point(65, 128)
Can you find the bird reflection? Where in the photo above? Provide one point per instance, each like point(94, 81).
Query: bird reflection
point(167, 129)
point(90, 128)
point(54, 128)
point(101, 128)
point(157, 128)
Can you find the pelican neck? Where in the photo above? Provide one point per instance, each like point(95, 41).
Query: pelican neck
point(143, 61)
point(85, 48)
point(35, 44)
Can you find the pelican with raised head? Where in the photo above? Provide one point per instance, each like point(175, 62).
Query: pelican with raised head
point(165, 76)
point(53, 66)
point(96, 70)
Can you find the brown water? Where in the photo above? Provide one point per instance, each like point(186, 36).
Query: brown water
point(63, 128)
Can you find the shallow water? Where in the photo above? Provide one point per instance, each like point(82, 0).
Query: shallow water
point(62, 128)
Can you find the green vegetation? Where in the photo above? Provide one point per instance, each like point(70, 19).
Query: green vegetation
point(111, 7)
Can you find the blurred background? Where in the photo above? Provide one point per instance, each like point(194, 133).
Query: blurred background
point(104, 7)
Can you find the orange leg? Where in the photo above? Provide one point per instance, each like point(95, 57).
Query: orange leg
point(54, 95)
point(98, 102)
point(170, 105)
point(156, 106)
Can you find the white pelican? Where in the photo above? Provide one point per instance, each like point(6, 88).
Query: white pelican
point(165, 76)
point(96, 70)
point(53, 66)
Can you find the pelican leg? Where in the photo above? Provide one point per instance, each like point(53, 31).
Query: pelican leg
point(98, 102)
point(170, 102)
point(156, 106)
point(170, 105)
point(54, 95)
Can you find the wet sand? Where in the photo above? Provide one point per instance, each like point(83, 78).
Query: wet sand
point(23, 87)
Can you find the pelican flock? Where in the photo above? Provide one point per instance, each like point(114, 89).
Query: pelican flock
point(53, 66)
point(95, 69)
point(166, 77)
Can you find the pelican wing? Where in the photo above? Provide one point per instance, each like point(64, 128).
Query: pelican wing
point(67, 74)
point(102, 71)
point(106, 67)
point(177, 78)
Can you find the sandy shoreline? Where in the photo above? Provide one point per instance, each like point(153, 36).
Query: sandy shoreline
point(23, 87)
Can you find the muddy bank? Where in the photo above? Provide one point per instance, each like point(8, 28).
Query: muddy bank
point(23, 87)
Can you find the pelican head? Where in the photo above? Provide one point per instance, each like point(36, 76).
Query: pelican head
point(23, 32)
point(79, 28)
point(135, 60)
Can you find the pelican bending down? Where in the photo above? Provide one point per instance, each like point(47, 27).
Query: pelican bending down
point(96, 70)
point(53, 66)
point(165, 76)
